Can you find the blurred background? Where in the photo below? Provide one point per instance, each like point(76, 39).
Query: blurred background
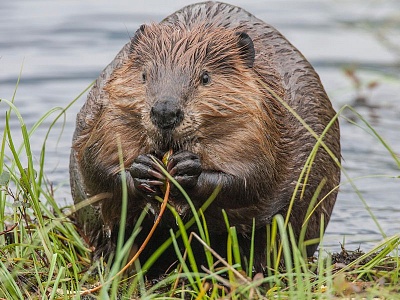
point(58, 48)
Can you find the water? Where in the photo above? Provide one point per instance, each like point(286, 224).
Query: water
point(62, 46)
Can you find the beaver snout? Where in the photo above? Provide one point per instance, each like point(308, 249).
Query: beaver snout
point(166, 113)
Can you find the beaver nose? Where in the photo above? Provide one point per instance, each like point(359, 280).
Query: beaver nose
point(166, 113)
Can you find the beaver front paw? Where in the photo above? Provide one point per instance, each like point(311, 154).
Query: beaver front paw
point(185, 167)
point(147, 175)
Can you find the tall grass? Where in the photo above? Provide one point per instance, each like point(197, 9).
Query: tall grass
point(41, 251)
point(43, 255)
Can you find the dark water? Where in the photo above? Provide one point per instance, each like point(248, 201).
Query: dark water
point(62, 46)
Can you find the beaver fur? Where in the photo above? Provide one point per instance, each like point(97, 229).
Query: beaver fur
point(199, 83)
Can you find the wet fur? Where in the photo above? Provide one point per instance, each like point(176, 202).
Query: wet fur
point(245, 139)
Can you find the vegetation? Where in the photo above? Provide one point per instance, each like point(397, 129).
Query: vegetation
point(43, 255)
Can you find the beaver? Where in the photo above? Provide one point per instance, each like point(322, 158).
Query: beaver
point(208, 83)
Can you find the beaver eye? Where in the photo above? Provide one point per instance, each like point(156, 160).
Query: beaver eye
point(205, 78)
point(144, 77)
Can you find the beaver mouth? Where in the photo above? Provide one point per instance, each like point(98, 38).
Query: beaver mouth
point(163, 140)
point(170, 139)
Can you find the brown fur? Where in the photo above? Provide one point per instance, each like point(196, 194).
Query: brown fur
point(245, 139)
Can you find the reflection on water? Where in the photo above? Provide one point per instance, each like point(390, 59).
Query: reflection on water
point(63, 48)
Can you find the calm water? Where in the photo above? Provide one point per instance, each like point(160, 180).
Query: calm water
point(62, 46)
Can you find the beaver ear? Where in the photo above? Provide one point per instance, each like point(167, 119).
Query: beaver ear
point(246, 48)
point(137, 35)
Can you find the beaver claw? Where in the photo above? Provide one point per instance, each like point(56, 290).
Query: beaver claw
point(146, 174)
point(185, 167)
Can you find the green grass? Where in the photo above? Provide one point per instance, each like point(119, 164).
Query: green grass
point(43, 256)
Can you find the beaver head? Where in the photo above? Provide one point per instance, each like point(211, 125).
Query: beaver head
point(191, 89)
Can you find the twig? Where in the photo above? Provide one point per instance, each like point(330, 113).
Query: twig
point(7, 231)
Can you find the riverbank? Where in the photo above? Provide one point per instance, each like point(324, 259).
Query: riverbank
point(43, 255)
